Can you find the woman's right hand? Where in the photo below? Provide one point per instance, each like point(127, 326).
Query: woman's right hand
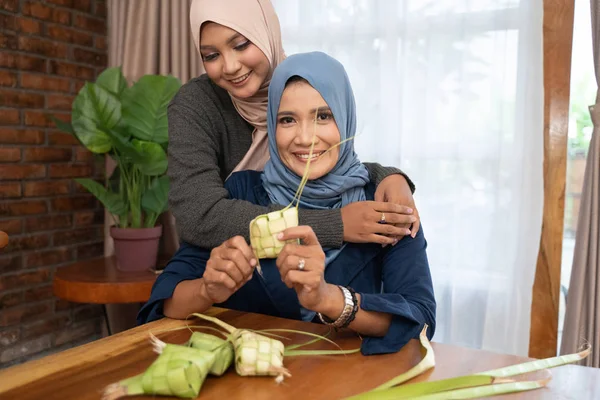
point(229, 267)
point(362, 222)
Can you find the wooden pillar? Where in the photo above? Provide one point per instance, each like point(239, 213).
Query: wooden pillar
point(558, 37)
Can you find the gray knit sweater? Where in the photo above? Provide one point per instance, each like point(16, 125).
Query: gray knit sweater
point(207, 139)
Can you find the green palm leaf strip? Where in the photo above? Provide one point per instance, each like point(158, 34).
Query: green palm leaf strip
point(485, 391)
point(296, 346)
point(426, 363)
point(538, 365)
point(483, 384)
point(189, 328)
point(295, 353)
point(410, 391)
point(291, 350)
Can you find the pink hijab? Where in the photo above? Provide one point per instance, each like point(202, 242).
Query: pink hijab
point(257, 21)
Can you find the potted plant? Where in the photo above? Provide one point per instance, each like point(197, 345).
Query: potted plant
point(129, 124)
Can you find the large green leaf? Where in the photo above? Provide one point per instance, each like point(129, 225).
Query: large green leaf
point(63, 126)
point(94, 110)
point(155, 198)
point(148, 157)
point(112, 201)
point(112, 79)
point(152, 158)
point(122, 143)
point(145, 107)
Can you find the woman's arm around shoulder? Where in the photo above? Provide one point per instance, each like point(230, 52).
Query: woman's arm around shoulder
point(377, 173)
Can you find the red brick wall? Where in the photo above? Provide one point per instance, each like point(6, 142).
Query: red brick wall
point(48, 49)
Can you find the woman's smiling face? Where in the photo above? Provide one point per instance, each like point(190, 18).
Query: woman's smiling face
point(232, 61)
point(300, 102)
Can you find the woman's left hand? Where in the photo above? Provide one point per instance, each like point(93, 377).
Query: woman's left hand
point(302, 266)
point(395, 189)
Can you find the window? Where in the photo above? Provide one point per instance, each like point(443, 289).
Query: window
point(451, 92)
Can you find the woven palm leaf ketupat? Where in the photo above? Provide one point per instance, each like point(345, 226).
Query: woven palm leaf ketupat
point(255, 354)
point(223, 350)
point(178, 371)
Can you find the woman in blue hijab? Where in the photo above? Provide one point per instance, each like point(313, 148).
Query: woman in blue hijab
point(383, 293)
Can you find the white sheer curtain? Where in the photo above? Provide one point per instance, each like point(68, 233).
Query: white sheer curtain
point(451, 91)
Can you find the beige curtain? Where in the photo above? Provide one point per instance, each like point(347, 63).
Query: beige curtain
point(151, 37)
point(582, 319)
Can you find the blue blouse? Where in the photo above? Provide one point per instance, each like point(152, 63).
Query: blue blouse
point(394, 280)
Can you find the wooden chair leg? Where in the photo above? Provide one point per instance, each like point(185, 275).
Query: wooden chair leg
point(120, 317)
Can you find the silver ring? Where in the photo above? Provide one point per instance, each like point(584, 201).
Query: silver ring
point(301, 264)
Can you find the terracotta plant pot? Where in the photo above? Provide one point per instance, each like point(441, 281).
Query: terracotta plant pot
point(136, 249)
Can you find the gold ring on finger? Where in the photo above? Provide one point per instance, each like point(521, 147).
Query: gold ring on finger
point(382, 219)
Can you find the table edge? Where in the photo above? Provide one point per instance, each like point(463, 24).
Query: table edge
point(31, 371)
point(77, 291)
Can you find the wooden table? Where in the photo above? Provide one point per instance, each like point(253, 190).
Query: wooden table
point(99, 281)
point(82, 372)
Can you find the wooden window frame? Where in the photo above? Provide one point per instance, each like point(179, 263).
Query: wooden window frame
point(558, 40)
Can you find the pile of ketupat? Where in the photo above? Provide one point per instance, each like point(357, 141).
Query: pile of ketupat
point(180, 370)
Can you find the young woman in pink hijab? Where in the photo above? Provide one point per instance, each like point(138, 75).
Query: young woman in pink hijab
point(217, 125)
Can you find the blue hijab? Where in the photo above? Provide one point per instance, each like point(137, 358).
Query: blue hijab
point(344, 184)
